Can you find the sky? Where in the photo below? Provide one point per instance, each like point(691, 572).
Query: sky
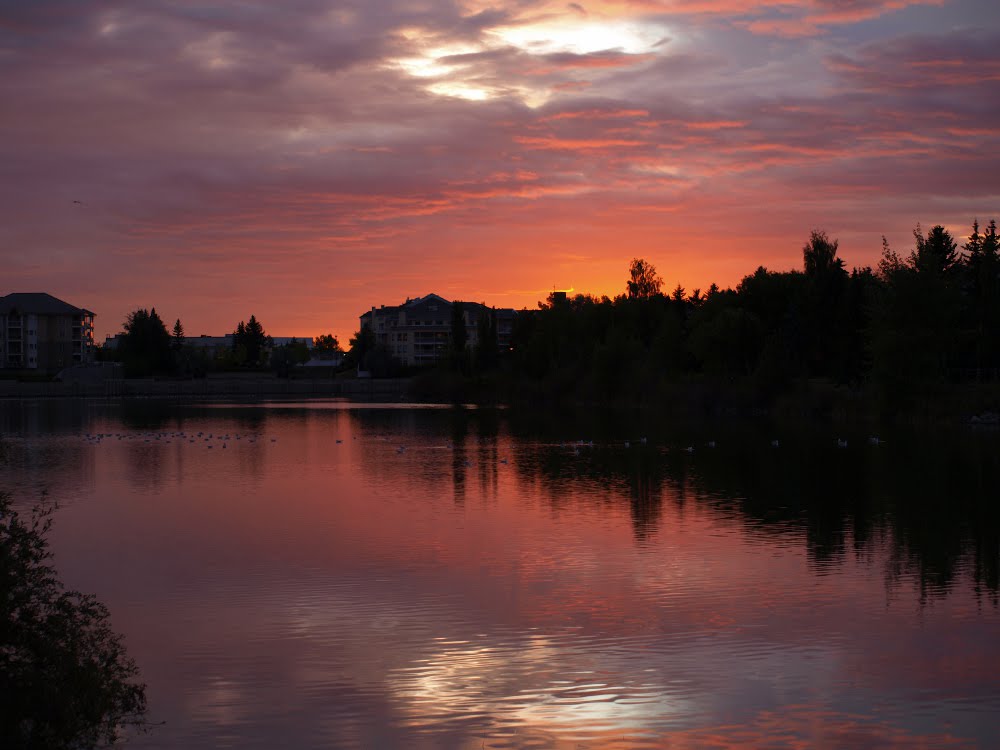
point(303, 161)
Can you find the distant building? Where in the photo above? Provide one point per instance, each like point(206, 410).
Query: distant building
point(286, 340)
point(214, 344)
point(417, 332)
point(210, 342)
point(41, 333)
point(322, 362)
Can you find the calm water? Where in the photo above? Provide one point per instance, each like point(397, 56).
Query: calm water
point(320, 575)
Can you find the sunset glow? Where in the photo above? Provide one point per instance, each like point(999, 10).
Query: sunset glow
point(304, 161)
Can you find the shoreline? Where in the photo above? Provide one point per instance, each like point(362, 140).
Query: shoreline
point(240, 386)
point(818, 401)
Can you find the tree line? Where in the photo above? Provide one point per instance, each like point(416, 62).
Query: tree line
point(909, 328)
point(911, 324)
point(146, 348)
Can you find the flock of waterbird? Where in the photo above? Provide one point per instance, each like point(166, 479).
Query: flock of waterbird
point(206, 439)
point(576, 446)
point(211, 440)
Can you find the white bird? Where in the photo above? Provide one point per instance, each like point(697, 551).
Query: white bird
point(775, 443)
point(711, 443)
point(841, 443)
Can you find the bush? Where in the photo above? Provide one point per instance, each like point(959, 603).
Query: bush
point(65, 677)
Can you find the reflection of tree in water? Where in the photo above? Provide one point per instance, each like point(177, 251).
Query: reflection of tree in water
point(643, 471)
point(933, 503)
point(459, 424)
point(928, 500)
point(65, 679)
point(57, 416)
point(148, 415)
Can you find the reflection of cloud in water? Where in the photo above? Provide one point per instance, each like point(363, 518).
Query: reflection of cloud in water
point(445, 675)
point(220, 702)
point(558, 684)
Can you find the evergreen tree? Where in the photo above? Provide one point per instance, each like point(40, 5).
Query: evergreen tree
point(178, 335)
point(981, 258)
point(146, 344)
point(937, 254)
point(250, 342)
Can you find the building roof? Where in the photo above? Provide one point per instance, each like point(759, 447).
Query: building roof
point(38, 303)
point(421, 305)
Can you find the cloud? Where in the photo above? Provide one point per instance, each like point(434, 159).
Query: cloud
point(387, 137)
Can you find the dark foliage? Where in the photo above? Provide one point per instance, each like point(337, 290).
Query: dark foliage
point(902, 331)
point(458, 338)
point(251, 345)
point(65, 678)
point(285, 358)
point(643, 280)
point(326, 343)
point(146, 347)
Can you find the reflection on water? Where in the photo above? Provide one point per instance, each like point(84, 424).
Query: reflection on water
point(315, 575)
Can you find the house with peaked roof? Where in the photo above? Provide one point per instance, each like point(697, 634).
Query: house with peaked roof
point(417, 332)
point(42, 333)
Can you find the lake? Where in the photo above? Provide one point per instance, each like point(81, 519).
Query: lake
point(376, 576)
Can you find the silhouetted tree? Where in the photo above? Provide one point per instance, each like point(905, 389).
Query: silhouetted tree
point(178, 335)
point(820, 255)
point(250, 342)
point(145, 348)
point(935, 254)
point(285, 358)
point(643, 280)
point(361, 344)
point(981, 258)
point(326, 343)
point(910, 327)
point(915, 332)
point(821, 308)
point(486, 341)
point(459, 336)
point(65, 678)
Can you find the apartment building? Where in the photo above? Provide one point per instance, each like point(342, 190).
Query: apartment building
point(41, 333)
point(417, 332)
